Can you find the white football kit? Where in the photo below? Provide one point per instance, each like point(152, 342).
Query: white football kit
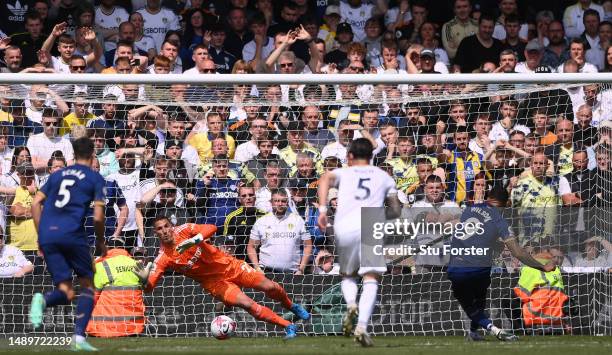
point(358, 186)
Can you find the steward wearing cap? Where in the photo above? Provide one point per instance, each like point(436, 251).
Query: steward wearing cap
point(541, 294)
point(119, 309)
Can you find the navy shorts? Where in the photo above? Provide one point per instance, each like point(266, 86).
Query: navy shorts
point(63, 259)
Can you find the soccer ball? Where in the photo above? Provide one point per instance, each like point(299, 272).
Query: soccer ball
point(223, 327)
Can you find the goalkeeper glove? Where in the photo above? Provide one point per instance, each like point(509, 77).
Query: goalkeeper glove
point(186, 244)
point(142, 271)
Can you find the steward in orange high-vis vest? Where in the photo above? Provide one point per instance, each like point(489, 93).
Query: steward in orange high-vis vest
point(541, 295)
point(119, 309)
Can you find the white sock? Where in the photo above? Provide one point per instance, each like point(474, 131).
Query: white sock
point(367, 302)
point(349, 291)
point(79, 338)
point(493, 329)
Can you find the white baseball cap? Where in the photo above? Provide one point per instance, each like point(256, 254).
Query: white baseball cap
point(332, 9)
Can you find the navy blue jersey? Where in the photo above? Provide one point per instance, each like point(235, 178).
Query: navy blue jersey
point(69, 193)
point(221, 198)
point(493, 227)
point(114, 196)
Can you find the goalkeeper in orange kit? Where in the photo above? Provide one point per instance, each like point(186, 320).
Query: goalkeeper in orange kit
point(184, 250)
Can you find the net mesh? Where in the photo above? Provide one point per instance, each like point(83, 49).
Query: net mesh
point(165, 137)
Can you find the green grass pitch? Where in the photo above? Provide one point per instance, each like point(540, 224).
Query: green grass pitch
point(414, 345)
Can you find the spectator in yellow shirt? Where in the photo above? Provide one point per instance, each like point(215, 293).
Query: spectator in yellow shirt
point(79, 117)
point(202, 142)
point(23, 234)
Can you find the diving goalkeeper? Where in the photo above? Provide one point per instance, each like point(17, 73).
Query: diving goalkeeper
point(470, 275)
point(184, 250)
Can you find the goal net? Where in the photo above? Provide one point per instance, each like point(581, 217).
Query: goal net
point(201, 150)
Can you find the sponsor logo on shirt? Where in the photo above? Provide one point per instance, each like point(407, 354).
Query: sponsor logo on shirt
point(154, 30)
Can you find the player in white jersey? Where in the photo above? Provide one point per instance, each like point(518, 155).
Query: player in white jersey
point(359, 185)
point(157, 21)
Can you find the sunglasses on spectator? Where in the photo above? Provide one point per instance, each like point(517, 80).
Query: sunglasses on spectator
point(208, 70)
point(286, 65)
point(48, 124)
point(78, 67)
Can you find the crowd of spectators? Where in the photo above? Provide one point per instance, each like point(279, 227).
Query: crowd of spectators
point(253, 170)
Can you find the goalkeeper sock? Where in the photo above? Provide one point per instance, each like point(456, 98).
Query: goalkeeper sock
point(367, 302)
point(267, 315)
point(56, 298)
point(85, 305)
point(349, 291)
point(278, 294)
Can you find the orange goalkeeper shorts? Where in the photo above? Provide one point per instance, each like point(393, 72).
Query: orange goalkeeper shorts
point(226, 287)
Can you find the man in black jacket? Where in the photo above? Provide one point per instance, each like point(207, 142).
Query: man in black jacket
point(238, 224)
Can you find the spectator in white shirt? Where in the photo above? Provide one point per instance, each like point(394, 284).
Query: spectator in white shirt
point(42, 145)
point(597, 256)
point(534, 53)
point(356, 12)
point(203, 63)
point(248, 150)
point(577, 53)
point(591, 22)
point(596, 54)
point(157, 21)
point(600, 103)
point(481, 141)
point(507, 122)
point(572, 18)
point(66, 47)
point(108, 17)
point(508, 8)
point(170, 50)
point(261, 46)
point(142, 42)
point(12, 261)
point(279, 236)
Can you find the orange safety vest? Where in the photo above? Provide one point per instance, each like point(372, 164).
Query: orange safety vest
point(119, 309)
point(541, 295)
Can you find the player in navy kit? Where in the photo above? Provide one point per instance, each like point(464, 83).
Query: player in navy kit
point(470, 273)
point(59, 210)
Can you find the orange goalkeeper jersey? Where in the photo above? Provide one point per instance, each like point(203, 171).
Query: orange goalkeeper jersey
point(201, 262)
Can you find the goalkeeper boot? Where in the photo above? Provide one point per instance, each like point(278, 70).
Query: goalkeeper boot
point(505, 336)
point(37, 308)
point(348, 321)
point(291, 332)
point(363, 338)
point(299, 311)
point(82, 345)
point(474, 335)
